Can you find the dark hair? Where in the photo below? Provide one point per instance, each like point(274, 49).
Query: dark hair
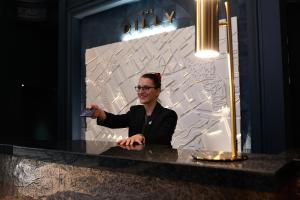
point(155, 77)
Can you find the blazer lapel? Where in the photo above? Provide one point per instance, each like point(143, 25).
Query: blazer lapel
point(141, 118)
point(155, 116)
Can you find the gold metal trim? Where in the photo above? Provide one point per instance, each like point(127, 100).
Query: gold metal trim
point(217, 156)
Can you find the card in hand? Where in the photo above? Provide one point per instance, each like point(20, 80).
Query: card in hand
point(87, 112)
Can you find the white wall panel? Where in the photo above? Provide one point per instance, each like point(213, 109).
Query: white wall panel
point(197, 89)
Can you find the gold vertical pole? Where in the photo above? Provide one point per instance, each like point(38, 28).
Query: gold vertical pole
point(231, 81)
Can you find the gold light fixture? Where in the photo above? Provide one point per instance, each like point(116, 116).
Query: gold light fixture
point(207, 46)
point(207, 29)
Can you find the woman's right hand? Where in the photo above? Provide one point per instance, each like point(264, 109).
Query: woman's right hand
point(98, 113)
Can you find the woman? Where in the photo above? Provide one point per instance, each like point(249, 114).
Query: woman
point(147, 123)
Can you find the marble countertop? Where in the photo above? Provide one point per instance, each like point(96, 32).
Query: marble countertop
point(259, 171)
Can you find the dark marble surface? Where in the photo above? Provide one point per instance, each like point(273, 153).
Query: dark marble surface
point(23, 178)
point(259, 172)
point(293, 154)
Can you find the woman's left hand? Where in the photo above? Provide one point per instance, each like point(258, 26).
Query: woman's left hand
point(135, 147)
point(138, 138)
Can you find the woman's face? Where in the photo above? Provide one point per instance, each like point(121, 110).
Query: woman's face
point(147, 92)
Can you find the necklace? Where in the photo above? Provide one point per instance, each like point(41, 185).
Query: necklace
point(148, 119)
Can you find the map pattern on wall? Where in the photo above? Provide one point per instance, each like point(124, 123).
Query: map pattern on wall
point(197, 89)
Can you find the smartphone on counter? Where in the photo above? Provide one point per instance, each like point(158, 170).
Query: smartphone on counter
point(87, 112)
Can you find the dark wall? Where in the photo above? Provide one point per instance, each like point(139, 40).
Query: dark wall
point(107, 27)
point(263, 75)
point(290, 18)
point(7, 34)
point(29, 81)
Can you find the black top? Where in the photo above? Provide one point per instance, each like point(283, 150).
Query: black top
point(157, 128)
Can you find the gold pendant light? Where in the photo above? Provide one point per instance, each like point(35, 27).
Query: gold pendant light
point(207, 28)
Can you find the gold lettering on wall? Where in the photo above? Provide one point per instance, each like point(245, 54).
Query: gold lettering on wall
point(170, 16)
point(144, 23)
point(127, 28)
point(148, 22)
point(156, 21)
point(136, 24)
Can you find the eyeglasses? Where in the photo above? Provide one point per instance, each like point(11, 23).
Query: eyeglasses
point(144, 88)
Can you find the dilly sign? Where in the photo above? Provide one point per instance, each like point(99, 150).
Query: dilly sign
point(148, 23)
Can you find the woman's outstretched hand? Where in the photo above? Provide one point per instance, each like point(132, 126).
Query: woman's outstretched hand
point(98, 113)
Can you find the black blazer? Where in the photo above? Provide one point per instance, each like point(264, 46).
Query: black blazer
point(157, 130)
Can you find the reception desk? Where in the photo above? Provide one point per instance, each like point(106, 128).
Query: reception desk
point(103, 170)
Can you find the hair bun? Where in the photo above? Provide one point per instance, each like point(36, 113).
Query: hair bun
point(158, 75)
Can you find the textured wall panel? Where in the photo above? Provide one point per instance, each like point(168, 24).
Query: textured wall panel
point(197, 89)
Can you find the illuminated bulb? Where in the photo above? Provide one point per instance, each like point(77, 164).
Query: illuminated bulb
point(207, 54)
point(148, 32)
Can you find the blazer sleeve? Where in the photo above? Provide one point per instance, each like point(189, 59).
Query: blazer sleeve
point(114, 121)
point(168, 127)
